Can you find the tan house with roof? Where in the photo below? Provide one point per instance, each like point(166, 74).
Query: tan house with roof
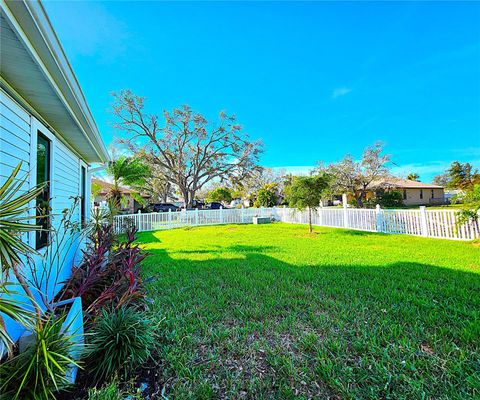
point(414, 193)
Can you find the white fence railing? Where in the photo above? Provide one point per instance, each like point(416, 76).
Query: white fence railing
point(421, 222)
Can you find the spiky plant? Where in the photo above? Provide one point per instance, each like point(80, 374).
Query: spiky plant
point(16, 310)
point(14, 210)
point(14, 216)
point(41, 369)
point(121, 340)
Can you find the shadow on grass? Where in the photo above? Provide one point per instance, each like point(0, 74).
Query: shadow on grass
point(401, 284)
point(148, 237)
point(388, 312)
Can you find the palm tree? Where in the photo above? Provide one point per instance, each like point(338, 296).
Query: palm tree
point(126, 171)
point(412, 176)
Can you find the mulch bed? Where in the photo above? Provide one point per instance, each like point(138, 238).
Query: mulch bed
point(147, 378)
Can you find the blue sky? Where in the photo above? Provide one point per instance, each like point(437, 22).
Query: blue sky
point(312, 80)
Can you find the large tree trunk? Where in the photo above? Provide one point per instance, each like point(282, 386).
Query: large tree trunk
point(310, 219)
point(184, 193)
point(192, 195)
point(358, 199)
point(166, 192)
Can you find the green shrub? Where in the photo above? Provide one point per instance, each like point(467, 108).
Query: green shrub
point(121, 340)
point(267, 196)
point(41, 369)
point(220, 194)
point(387, 198)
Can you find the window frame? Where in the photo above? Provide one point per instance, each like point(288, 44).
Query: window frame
point(83, 211)
point(44, 218)
point(421, 194)
point(36, 127)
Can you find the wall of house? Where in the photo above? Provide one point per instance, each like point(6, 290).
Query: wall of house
point(128, 205)
point(414, 196)
point(18, 132)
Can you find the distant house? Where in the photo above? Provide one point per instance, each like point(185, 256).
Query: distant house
point(414, 193)
point(46, 124)
point(129, 205)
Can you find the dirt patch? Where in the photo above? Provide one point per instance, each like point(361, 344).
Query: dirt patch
point(148, 378)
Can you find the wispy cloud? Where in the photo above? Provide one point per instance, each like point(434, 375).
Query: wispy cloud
point(426, 170)
point(423, 169)
point(295, 169)
point(341, 91)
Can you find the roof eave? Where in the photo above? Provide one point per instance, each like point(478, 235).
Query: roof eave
point(56, 68)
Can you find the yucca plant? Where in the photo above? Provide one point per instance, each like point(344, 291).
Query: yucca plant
point(41, 369)
point(14, 208)
point(121, 340)
point(15, 309)
point(14, 216)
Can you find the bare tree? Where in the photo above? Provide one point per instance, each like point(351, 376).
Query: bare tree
point(252, 182)
point(357, 177)
point(190, 151)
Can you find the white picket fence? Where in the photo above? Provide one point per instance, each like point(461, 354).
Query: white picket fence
point(420, 222)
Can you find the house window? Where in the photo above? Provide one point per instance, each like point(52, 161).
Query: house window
point(404, 194)
point(43, 199)
point(421, 193)
point(83, 200)
point(432, 194)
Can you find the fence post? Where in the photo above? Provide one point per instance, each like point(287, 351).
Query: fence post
point(169, 217)
point(345, 210)
point(423, 221)
point(242, 215)
point(196, 216)
point(477, 224)
point(378, 211)
point(221, 214)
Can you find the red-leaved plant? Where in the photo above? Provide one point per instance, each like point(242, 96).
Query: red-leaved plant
point(108, 276)
point(124, 271)
point(89, 279)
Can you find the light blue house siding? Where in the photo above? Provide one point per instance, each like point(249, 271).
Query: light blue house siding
point(41, 100)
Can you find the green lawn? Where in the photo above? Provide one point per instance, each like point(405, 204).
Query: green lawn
point(272, 312)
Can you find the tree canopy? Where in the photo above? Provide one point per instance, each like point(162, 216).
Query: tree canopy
point(462, 176)
point(458, 176)
point(267, 195)
point(220, 194)
point(356, 177)
point(412, 176)
point(306, 192)
point(190, 150)
point(128, 171)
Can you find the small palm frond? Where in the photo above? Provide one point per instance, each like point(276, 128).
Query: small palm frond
point(138, 198)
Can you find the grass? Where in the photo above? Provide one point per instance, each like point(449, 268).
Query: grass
point(272, 312)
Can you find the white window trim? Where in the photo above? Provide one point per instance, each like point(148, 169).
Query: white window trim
point(85, 189)
point(35, 127)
